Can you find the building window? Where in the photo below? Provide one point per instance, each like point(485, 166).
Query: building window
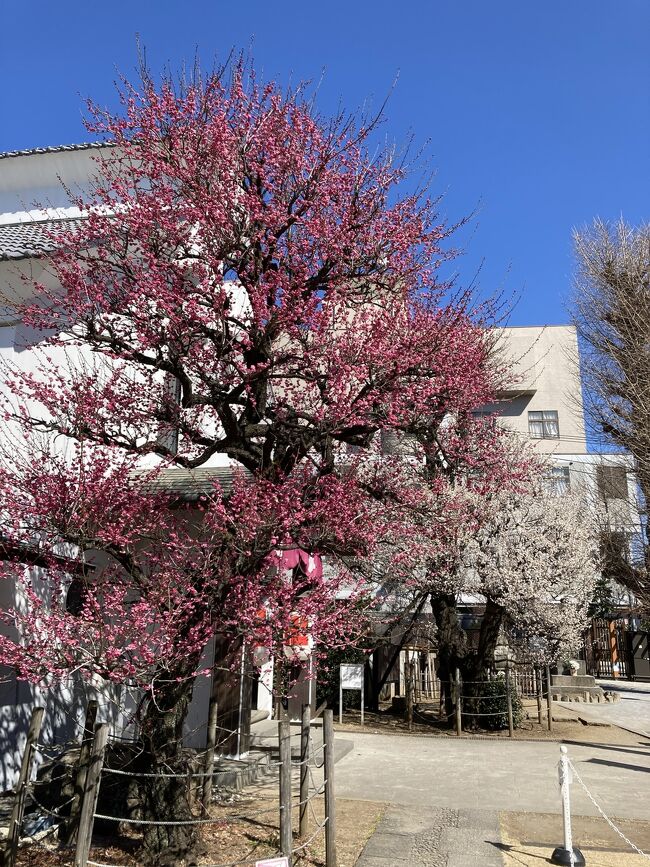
point(557, 482)
point(612, 482)
point(543, 424)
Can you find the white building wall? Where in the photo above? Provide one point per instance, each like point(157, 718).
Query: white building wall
point(544, 376)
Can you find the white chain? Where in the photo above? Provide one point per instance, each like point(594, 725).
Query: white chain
point(604, 815)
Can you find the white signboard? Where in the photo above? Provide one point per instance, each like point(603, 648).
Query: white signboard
point(352, 676)
point(273, 862)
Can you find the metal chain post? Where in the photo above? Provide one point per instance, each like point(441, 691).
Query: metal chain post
point(567, 855)
point(458, 704)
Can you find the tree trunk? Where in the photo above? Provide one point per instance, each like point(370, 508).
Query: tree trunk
point(453, 652)
point(166, 798)
point(476, 666)
point(452, 645)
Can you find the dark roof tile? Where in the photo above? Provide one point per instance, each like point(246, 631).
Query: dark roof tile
point(29, 238)
point(188, 484)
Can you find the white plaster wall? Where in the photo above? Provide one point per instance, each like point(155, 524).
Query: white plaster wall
point(40, 180)
point(546, 376)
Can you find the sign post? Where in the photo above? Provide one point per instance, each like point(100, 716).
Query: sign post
point(350, 677)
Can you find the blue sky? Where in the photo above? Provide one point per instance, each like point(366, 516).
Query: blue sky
point(535, 113)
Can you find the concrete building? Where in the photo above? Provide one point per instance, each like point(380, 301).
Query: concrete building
point(543, 404)
point(542, 397)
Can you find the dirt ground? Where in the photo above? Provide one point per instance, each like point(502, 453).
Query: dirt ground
point(529, 839)
point(427, 723)
point(246, 830)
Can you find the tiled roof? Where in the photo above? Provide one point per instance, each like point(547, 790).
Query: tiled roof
point(190, 484)
point(55, 149)
point(29, 238)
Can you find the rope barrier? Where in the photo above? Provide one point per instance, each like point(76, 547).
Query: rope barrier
point(54, 751)
point(491, 713)
point(320, 827)
point(604, 815)
point(176, 822)
point(162, 775)
point(50, 812)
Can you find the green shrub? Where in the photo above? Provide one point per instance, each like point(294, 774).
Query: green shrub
point(490, 698)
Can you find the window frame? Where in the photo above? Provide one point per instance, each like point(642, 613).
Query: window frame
point(547, 424)
point(557, 481)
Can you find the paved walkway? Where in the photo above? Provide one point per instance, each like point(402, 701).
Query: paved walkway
point(493, 775)
point(434, 837)
point(462, 785)
point(631, 712)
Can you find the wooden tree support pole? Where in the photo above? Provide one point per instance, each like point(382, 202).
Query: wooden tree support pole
point(304, 768)
point(286, 836)
point(13, 836)
point(549, 699)
point(330, 807)
point(68, 829)
point(208, 768)
point(511, 727)
point(458, 705)
point(91, 793)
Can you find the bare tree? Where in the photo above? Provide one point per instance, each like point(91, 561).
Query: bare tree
point(611, 310)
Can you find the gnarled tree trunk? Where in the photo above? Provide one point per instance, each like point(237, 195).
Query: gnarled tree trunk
point(166, 797)
point(454, 652)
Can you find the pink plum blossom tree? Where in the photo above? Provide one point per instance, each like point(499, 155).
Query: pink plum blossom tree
point(244, 285)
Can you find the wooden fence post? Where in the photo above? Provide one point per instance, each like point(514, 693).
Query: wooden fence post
point(330, 807)
point(408, 676)
point(68, 828)
point(511, 727)
point(458, 704)
point(286, 835)
point(538, 692)
point(304, 769)
point(13, 835)
point(210, 746)
point(91, 792)
point(549, 699)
